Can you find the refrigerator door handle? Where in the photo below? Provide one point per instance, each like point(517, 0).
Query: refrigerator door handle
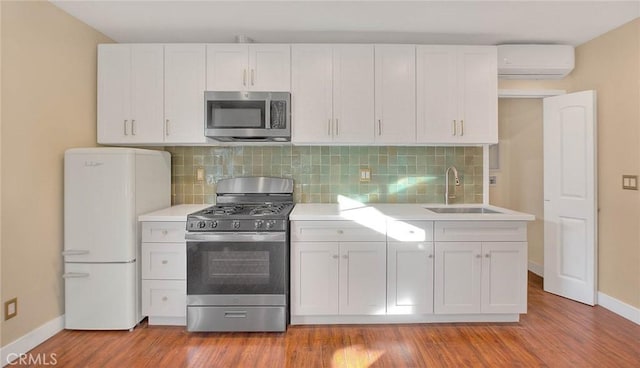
point(75, 275)
point(74, 252)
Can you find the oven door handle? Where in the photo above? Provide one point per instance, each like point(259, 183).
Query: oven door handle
point(237, 237)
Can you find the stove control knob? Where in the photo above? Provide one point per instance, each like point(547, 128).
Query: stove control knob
point(270, 224)
point(202, 224)
point(214, 223)
point(258, 224)
point(236, 224)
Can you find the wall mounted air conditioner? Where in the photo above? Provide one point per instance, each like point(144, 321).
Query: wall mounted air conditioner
point(535, 61)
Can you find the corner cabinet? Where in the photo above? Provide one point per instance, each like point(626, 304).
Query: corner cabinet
point(249, 67)
point(150, 94)
point(457, 94)
point(332, 89)
point(337, 268)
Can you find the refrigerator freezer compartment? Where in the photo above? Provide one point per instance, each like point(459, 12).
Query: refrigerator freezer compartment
point(101, 296)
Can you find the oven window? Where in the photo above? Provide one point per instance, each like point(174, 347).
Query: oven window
point(236, 114)
point(237, 268)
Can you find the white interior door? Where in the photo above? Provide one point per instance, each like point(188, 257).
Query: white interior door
point(570, 197)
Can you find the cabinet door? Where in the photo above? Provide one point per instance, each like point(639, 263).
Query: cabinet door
point(270, 68)
point(184, 83)
point(477, 94)
point(363, 278)
point(114, 93)
point(311, 93)
point(314, 276)
point(395, 93)
point(457, 278)
point(410, 277)
point(436, 94)
point(147, 93)
point(227, 68)
point(504, 277)
point(353, 96)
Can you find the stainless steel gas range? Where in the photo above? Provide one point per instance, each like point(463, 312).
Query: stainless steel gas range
point(238, 257)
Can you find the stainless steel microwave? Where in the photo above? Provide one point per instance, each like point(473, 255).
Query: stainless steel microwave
point(248, 116)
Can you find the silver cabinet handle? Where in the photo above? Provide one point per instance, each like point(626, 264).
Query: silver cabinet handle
point(133, 127)
point(430, 256)
point(164, 261)
point(329, 127)
point(335, 256)
point(165, 232)
point(454, 127)
point(340, 231)
point(345, 256)
point(379, 127)
point(461, 128)
point(487, 255)
point(75, 275)
point(244, 77)
point(478, 255)
point(125, 127)
point(252, 77)
point(164, 298)
point(166, 127)
point(337, 127)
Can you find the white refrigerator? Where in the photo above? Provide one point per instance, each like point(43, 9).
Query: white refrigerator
point(105, 189)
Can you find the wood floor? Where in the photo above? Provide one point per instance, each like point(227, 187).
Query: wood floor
point(555, 333)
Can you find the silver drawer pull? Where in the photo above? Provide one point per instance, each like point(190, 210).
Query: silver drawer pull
point(487, 255)
point(478, 255)
point(340, 232)
point(430, 256)
point(235, 314)
point(164, 298)
point(165, 232)
point(164, 261)
point(74, 252)
point(335, 256)
point(75, 275)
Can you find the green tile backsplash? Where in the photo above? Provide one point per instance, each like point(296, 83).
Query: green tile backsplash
point(321, 173)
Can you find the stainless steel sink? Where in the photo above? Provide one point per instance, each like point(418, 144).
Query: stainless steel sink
point(461, 210)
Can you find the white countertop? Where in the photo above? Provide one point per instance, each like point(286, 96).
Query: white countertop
point(392, 211)
point(173, 213)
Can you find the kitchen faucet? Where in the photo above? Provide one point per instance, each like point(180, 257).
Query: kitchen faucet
point(446, 183)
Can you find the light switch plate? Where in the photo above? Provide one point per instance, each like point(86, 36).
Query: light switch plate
point(10, 308)
point(630, 182)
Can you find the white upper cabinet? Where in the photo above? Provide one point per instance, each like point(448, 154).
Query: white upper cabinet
point(184, 85)
point(243, 67)
point(332, 93)
point(130, 93)
point(457, 94)
point(395, 94)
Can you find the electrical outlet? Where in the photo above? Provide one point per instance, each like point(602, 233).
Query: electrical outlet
point(365, 175)
point(630, 182)
point(199, 174)
point(10, 308)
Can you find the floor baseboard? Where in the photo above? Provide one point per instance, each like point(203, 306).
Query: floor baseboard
point(22, 345)
point(618, 307)
point(536, 268)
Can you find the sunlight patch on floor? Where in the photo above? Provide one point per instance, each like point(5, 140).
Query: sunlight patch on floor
point(356, 356)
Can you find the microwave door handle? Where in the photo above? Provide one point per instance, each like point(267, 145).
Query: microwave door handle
point(267, 114)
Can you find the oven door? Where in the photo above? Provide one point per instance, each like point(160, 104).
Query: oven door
point(237, 269)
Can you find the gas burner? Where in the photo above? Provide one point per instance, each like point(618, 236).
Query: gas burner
point(267, 209)
point(222, 210)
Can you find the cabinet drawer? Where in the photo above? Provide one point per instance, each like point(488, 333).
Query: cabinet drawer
point(167, 261)
point(480, 231)
point(409, 231)
point(164, 298)
point(335, 231)
point(161, 232)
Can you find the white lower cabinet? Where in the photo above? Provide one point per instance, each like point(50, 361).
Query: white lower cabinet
point(409, 277)
point(442, 271)
point(164, 265)
point(480, 277)
point(331, 278)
